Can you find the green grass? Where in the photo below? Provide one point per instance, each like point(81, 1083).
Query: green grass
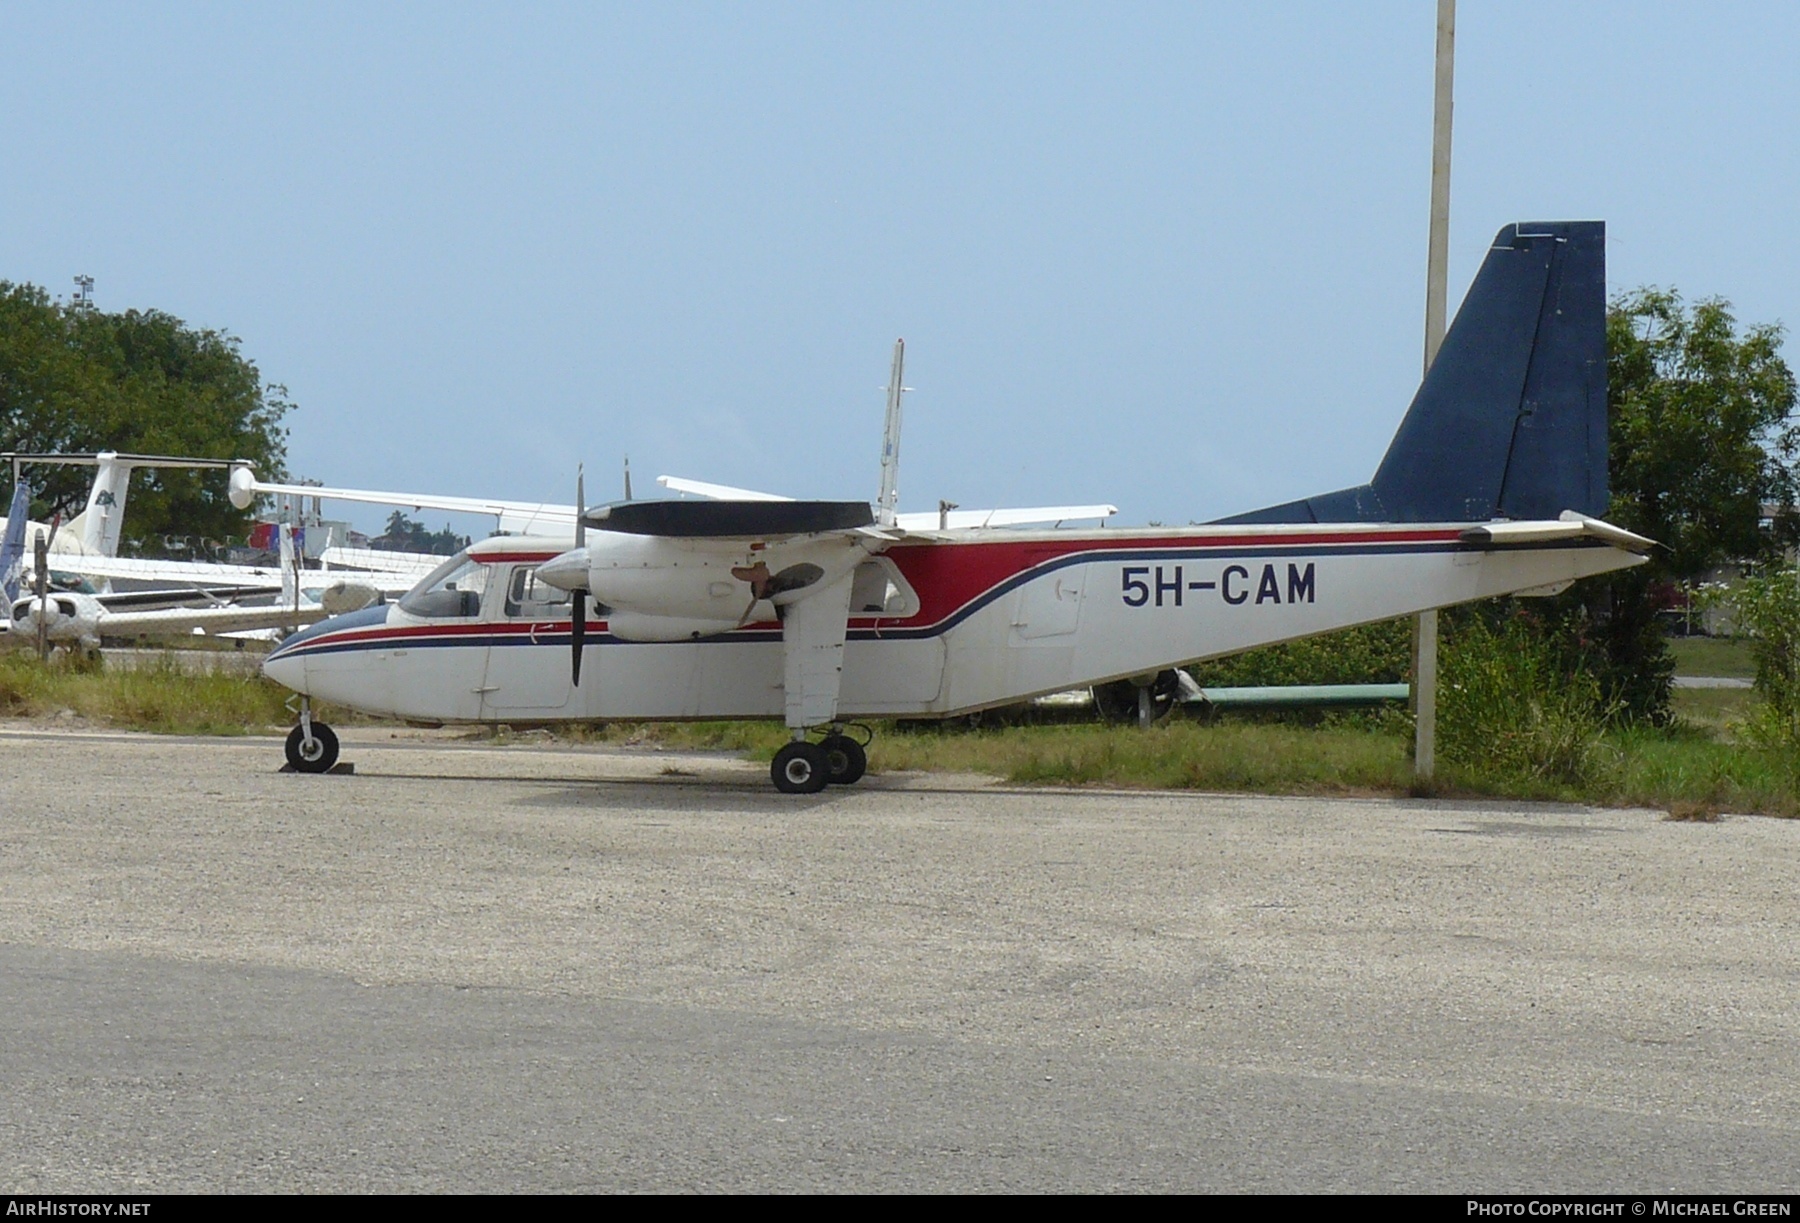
point(1691, 770)
point(162, 699)
point(1688, 769)
point(1713, 709)
point(1179, 753)
point(1721, 656)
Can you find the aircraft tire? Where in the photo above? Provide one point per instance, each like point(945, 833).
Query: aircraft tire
point(845, 760)
point(1118, 701)
point(316, 757)
point(800, 768)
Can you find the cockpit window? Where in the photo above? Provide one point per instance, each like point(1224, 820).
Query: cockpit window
point(451, 591)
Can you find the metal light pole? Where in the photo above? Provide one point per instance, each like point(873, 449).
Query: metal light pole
point(40, 558)
point(1425, 628)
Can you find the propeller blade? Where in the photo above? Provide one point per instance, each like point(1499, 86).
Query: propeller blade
point(578, 624)
point(578, 636)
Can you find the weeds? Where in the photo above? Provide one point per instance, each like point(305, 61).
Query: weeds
point(1506, 708)
point(163, 699)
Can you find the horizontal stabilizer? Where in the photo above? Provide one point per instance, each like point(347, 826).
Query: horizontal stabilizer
point(1570, 526)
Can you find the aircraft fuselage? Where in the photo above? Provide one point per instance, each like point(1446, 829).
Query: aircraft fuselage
point(938, 626)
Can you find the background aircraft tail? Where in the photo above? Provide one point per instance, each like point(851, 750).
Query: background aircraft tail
point(101, 524)
point(12, 546)
point(1510, 421)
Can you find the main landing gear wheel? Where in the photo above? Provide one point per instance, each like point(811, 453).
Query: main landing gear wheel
point(1122, 701)
point(316, 755)
point(845, 760)
point(800, 768)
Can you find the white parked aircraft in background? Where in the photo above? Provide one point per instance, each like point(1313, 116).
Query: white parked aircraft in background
point(821, 613)
point(97, 530)
point(75, 620)
point(207, 597)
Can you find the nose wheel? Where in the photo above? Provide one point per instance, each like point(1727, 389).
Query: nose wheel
point(312, 747)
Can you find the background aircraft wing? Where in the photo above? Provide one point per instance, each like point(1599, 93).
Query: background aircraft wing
point(718, 492)
point(386, 568)
point(166, 571)
point(519, 517)
point(180, 621)
point(379, 561)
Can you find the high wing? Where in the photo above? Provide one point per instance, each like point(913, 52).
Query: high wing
point(954, 520)
point(729, 519)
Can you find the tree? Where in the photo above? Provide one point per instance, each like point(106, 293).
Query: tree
point(405, 535)
point(1703, 430)
point(73, 378)
point(1702, 436)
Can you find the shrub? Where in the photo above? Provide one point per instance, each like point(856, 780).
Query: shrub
point(1766, 606)
point(1370, 654)
point(1507, 706)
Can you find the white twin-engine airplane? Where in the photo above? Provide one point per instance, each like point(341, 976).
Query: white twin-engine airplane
point(825, 612)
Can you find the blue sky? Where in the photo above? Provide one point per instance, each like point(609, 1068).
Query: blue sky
point(1170, 256)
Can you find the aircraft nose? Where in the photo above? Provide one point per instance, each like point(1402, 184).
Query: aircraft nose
point(566, 572)
point(286, 670)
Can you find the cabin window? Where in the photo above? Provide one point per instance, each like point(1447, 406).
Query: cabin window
point(451, 591)
point(877, 589)
point(527, 598)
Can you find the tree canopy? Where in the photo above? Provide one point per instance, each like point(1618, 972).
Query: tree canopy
point(405, 535)
point(1702, 430)
point(1702, 437)
point(75, 379)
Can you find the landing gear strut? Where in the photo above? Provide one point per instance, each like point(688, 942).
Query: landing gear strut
point(312, 747)
point(807, 768)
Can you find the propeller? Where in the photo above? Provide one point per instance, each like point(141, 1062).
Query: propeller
point(578, 626)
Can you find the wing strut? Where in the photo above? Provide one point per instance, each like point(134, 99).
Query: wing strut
point(812, 646)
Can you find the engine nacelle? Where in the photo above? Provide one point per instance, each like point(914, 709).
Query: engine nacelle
point(348, 596)
point(67, 618)
point(637, 626)
point(710, 582)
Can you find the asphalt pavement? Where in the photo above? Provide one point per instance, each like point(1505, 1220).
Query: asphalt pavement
point(485, 968)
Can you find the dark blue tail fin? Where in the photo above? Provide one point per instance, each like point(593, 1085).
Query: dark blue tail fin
point(1510, 421)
